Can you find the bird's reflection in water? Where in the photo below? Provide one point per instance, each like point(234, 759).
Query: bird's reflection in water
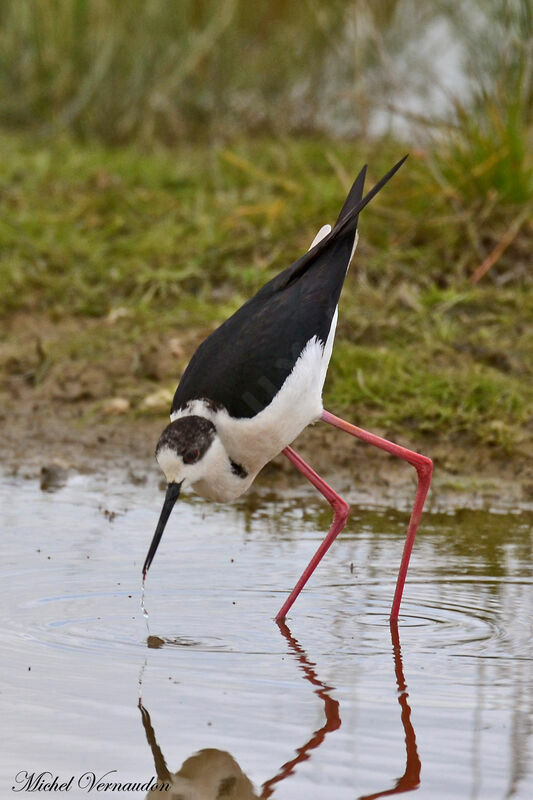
point(213, 774)
point(411, 777)
point(331, 710)
point(208, 775)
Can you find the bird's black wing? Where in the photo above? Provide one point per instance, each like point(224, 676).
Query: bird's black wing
point(243, 364)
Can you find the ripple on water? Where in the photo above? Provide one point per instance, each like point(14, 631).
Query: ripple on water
point(61, 622)
point(460, 618)
point(440, 623)
point(446, 611)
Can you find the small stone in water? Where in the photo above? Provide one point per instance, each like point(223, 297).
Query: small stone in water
point(155, 642)
point(53, 476)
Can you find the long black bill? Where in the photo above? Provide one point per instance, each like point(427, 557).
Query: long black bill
point(173, 492)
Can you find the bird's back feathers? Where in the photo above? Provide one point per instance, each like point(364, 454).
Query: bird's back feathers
point(243, 364)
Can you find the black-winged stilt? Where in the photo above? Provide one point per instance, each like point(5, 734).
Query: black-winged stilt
point(256, 382)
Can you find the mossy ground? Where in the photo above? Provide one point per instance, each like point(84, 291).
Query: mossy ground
point(114, 264)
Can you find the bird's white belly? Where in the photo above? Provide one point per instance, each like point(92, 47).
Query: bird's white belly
point(255, 441)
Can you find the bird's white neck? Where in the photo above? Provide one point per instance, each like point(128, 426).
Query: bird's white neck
point(220, 479)
point(217, 476)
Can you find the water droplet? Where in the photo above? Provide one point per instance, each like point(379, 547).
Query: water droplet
point(143, 608)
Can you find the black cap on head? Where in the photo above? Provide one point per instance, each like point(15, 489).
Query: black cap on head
point(186, 434)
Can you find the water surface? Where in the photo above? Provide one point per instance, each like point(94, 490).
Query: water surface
point(335, 704)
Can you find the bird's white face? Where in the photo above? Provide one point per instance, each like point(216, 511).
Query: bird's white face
point(187, 468)
point(172, 465)
point(183, 448)
point(190, 452)
point(205, 475)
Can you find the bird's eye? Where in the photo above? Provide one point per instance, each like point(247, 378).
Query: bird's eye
point(190, 456)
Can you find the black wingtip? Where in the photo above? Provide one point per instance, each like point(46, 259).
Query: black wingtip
point(381, 183)
point(348, 219)
point(346, 224)
point(355, 195)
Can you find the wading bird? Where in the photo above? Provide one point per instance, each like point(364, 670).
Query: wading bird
point(256, 382)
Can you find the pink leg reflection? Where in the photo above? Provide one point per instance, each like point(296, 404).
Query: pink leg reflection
point(410, 779)
point(331, 710)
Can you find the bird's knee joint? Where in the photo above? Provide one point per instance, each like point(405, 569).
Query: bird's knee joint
point(425, 467)
point(343, 510)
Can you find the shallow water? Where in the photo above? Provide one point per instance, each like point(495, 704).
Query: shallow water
point(335, 704)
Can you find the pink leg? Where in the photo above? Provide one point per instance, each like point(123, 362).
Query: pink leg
point(424, 468)
point(341, 510)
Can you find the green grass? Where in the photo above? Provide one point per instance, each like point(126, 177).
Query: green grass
point(178, 239)
point(86, 227)
point(118, 236)
point(153, 69)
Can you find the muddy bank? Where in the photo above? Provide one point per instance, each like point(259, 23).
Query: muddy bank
point(52, 441)
point(65, 409)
